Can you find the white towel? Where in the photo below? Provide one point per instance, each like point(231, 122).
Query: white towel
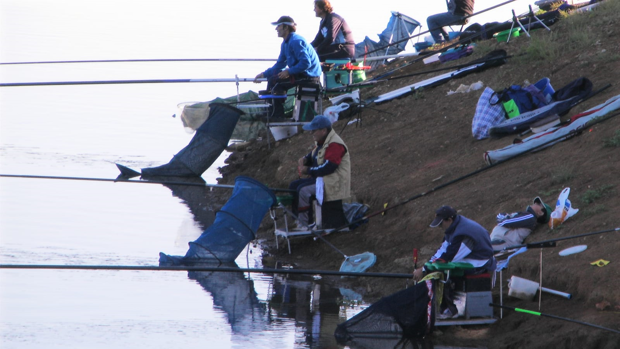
point(319, 190)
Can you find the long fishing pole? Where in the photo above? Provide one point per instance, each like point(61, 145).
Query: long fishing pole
point(110, 82)
point(150, 60)
point(226, 186)
point(207, 269)
point(525, 311)
point(548, 243)
point(540, 146)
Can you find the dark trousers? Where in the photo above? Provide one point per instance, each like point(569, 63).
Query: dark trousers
point(338, 51)
point(296, 185)
point(279, 86)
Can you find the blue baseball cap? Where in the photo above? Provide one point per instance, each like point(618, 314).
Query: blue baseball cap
point(319, 122)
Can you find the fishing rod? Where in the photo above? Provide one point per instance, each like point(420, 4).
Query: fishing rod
point(520, 310)
point(415, 197)
point(226, 186)
point(450, 68)
point(206, 269)
point(551, 242)
point(150, 60)
point(428, 31)
point(108, 82)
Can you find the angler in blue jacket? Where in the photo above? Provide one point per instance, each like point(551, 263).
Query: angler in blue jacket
point(464, 241)
point(298, 62)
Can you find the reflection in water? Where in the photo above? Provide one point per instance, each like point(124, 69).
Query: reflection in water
point(196, 198)
point(235, 295)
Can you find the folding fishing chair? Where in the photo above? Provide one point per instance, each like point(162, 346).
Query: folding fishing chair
point(529, 16)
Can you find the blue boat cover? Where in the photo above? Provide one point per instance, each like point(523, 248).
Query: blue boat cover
point(234, 227)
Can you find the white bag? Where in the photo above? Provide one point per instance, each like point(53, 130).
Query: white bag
point(332, 112)
point(563, 209)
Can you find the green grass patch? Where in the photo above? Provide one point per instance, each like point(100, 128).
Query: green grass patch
point(592, 211)
point(562, 175)
point(550, 192)
point(613, 141)
point(592, 195)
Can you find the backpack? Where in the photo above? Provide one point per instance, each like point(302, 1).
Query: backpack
point(515, 100)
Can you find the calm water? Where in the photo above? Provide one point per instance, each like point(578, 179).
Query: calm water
point(81, 131)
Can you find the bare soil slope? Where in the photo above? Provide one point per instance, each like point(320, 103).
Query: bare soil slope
point(408, 146)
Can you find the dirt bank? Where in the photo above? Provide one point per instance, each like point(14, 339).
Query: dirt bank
point(410, 145)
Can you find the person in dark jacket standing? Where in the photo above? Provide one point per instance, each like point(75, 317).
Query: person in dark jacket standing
point(464, 241)
point(297, 62)
point(513, 228)
point(457, 11)
point(334, 39)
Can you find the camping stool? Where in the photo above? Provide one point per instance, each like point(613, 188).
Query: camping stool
point(306, 94)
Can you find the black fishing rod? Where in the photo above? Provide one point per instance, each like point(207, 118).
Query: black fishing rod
point(449, 68)
point(122, 180)
point(439, 187)
point(551, 242)
point(206, 269)
point(109, 82)
point(150, 60)
point(428, 31)
point(525, 311)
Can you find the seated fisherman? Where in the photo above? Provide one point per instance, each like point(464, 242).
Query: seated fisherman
point(334, 39)
point(513, 228)
point(328, 167)
point(300, 58)
point(464, 241)
point(457, 11)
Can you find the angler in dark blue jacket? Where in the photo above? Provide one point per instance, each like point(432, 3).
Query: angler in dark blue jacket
point(297, 62)
point(464, 241)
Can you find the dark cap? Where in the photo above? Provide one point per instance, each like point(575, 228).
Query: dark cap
point(285, 20)
point(546, 208)
point(444, 212)
point(319, 122)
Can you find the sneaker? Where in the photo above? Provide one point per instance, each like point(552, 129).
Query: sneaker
point(447, 314)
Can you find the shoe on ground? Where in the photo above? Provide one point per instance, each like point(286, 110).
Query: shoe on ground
point(447, 314)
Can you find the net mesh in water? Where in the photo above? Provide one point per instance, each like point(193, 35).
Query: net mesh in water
point(407, 313)
point(234, 227)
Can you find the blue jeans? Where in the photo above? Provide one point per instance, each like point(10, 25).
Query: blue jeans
point(437, 22)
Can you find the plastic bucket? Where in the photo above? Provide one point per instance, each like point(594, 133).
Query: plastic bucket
point(503, 35)
point(544, 85)
point(522, 288)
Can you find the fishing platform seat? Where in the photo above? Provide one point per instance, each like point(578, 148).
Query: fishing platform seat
point(328, 211)
point(474, 290)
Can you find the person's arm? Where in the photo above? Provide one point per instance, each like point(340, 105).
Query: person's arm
point(301, 50)
point(333, 156)
point(457, 246)
point(519, 220)
point(318, 39)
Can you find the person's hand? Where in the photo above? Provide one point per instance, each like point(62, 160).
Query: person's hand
point(284, 74)
point(418, 274)
point(300, 162)
point(259, 76)
point(501, 216)
point(304, 170)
